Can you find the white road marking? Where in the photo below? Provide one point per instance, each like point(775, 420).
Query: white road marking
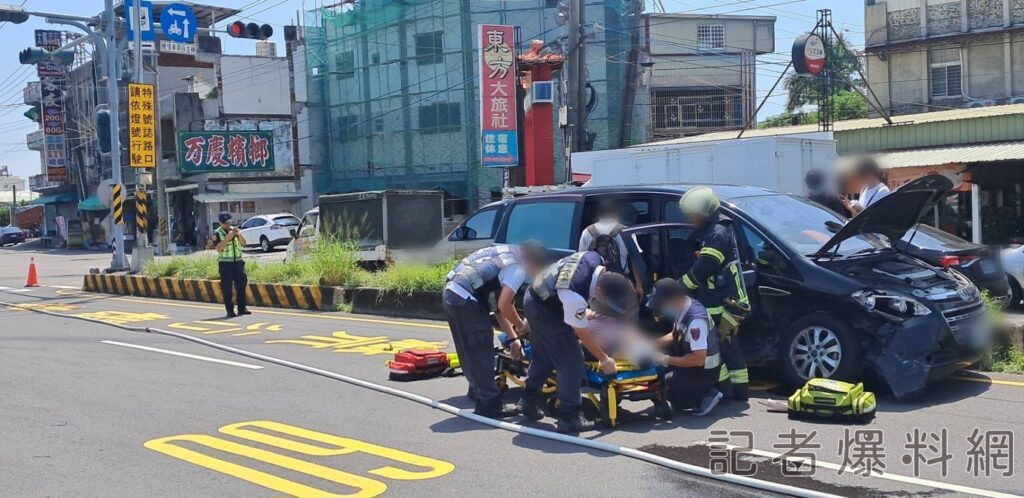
point(184, 355)
point(887, 475)
point(30, 289)
point(2, 288)
point(72, 287)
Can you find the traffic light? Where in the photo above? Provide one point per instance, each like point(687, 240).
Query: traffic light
point(12, 14)
point(35, 55)
point(239, 29)
point(103, 129)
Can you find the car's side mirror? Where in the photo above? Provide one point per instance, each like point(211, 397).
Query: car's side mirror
point(292, 232)
point(833, 226)
point(462, 232)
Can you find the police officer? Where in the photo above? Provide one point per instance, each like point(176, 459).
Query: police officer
point(716, 280)
point(228, 243)
point(501, 269)
point(693, 358)
point(556, 308)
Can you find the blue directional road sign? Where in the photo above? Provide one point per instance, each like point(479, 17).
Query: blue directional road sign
point(178, 23)
point(148, 33)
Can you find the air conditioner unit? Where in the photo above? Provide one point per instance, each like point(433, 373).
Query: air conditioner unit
point(981, 103)
point(542, 91)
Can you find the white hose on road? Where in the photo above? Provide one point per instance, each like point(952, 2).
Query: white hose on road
point(467, 414)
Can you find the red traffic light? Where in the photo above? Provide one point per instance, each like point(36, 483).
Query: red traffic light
point(239, 29)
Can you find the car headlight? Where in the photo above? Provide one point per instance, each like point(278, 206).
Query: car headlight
point(891, 305)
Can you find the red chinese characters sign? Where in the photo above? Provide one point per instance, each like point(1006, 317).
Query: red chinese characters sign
point(499, 125)
point(225, 151)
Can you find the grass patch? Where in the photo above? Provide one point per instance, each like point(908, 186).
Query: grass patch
point(331, 263)
point(1006, 358)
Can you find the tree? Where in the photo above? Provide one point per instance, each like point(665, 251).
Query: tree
point(843, 60)
point(845, 105)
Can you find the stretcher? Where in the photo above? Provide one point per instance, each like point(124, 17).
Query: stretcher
point(602, 393)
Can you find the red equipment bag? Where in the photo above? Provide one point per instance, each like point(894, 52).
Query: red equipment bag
point(415, 364)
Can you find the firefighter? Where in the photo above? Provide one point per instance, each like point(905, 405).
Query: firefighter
point(466, 304)
point(605, 237)
point(693, 360)
point(716, 280)
point(556, 306)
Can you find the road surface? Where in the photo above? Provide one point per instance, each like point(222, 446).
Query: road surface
point(98, 410)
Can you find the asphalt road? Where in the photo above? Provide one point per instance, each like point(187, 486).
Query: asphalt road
point(82, 409)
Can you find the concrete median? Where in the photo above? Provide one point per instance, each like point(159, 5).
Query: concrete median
point(307, 297)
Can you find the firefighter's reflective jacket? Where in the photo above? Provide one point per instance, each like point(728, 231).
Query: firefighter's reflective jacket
point(716, 277)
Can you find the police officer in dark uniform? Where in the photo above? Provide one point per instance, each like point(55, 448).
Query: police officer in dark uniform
point(556, 308)
point(228, 243)
point(496, 269)
point(716, 280)
point(693, 360)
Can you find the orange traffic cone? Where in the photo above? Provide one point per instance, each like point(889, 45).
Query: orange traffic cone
point(33, 278)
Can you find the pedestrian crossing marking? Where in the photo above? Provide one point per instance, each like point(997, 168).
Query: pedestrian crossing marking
point(301, 441)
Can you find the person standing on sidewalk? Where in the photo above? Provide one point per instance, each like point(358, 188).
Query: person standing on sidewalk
point(228, 243)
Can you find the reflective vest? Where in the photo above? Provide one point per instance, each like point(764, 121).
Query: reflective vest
point(717, 242)
point(480, 254)
point(232, 250)
point(480, 276)
point(573, 272)
point(694, 311)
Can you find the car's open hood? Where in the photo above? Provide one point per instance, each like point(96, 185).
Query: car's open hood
point(895, 213)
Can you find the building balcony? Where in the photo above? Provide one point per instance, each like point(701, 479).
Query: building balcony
point(32, 93)
point(39, 183)
point(34, 140)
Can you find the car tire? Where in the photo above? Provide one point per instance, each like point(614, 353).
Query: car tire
point(831, 349)
point(265, 244)
point(1015, 294)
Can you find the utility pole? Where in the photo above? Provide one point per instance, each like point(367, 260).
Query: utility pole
point(141, 251)
point(576, 86)
point(119, 261)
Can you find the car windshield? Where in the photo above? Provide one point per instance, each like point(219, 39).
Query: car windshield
point(803, 225)
point(286, 221)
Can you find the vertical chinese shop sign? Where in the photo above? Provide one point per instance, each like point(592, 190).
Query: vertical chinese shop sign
point(498, 126)
point(141, 125)
point(225, 151)
point(51, 81)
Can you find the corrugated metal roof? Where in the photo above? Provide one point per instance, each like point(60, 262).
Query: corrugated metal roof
point(964, 154)
point(858, 124)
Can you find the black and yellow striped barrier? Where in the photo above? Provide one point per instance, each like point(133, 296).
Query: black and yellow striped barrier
point(141, 211)
point(117, 199)
point(305, 297)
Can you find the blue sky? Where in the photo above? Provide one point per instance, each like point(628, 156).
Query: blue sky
point(793, 17)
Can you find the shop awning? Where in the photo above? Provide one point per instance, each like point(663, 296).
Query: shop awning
point(959, 154)
point(255, 196)
point(182, 188)
point(55, 198)
point(92, 203)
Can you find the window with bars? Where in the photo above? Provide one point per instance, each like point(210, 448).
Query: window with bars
point(946, 72)
point(440, 117)
point(429, 47)
point(710, 37)
point(345, 65)
point(348, 128)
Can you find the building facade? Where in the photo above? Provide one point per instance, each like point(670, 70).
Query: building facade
point(394, 89)
point(702, 76)
point(932, 55)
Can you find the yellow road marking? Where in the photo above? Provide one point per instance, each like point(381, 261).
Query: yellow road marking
point(327, 445)
point(245, 333)
point(985, 380)
point(291, 313)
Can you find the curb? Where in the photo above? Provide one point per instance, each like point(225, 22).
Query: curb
point(304, 297)
point(424, 305)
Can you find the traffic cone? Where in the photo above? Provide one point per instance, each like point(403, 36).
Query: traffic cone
point(33, 278)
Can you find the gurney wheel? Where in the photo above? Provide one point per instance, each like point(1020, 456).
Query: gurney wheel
point(502, 383)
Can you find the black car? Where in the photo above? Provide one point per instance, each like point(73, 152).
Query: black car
point(11, 235)
point(979, 263)
point(829, 296)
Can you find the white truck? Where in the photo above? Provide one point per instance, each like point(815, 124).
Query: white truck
point(775, 162)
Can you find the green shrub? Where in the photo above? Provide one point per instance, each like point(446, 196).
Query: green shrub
point(330, 262)
point(1006, 358)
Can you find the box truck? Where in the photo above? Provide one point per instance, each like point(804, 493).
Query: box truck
point(383, 224)
point(775, 162)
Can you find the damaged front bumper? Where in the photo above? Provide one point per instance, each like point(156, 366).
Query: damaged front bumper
point(917, 351)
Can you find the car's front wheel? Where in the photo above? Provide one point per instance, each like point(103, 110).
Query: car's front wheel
point(1015, 294)
point(265, 244)
point(820, 345)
